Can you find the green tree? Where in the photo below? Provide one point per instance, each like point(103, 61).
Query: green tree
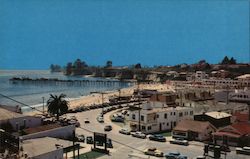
point(69, 69)
point(225, 61)
point(232, 61)
point(57, 105)
point(138, 66)
point(109, 64)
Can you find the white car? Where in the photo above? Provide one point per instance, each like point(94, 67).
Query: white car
point(100, 119)
point(179, 142)
point(244, 150)
point(153, 152)
point(138, 135)
point(124, 131)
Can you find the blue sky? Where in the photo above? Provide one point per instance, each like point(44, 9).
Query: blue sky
point(37, 33)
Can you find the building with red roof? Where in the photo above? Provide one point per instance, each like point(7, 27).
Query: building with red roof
point(240, 117)
point(193, 130)
point(237, 134)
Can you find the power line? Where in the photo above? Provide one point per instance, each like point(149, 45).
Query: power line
point(20, 102)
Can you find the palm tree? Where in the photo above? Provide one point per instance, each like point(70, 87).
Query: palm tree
point(57, 105)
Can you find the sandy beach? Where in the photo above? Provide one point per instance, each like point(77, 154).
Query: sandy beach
point(97, 98)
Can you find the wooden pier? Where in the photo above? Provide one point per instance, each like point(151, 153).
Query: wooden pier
point(55, 81)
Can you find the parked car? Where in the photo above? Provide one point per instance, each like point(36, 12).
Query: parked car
point(108, 128)
point(138, 135)
point(182, 157)
point(74, 122)
point(73, 118)
point(86, 121)
point(179, 142)
point(124, 112)
point(244, 150)
point(153, 152)
point(200, 157)
point(124, 131)
point(157, 137)
point(89, 140)
point(172, 155)
point(99, 143)
point(109, 143)
point(78, 109)
point(100, 119)
point(80, 138)
point(222, 148)
point(117, 119)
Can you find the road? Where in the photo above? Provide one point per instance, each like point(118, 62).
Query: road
point(125, 145)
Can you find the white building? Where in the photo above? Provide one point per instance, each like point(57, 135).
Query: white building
point(200, 75)
point(155, 116)
point(217, 82)
point(240, 96)
point(232, 95)
point(18, 121)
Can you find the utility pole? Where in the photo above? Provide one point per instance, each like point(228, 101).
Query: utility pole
point(102, 93)
point(227, 93)
point(43, 105)
point(139, 97)
point(181, 98)
point(119, 90)
point(74, 136)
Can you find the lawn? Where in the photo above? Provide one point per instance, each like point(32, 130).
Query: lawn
point(166, 134)
point(90, 155)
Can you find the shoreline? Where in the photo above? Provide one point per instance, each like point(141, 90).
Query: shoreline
point(92, 99)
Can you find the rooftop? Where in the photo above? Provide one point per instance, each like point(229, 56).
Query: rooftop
point(245, 76)
point(6, 114)
point(241, 117)
point(164, 109)
point(234, 130)
point(39, 146)
point(42, 128)
point(218, 115)
point(243, 128)
point(192, 125)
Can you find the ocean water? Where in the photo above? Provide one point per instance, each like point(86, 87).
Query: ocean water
point(32, 94)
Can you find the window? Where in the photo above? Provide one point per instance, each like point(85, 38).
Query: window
point(24, 123)
point(157, 116)
point(149, 128)
point(174, 123)
point(133, 116)
point(180, 114)
point(167, 124)
point(143, 127)
point(165, 115)
point(174, 113)
point(191, 112)
point(142, 118)
point(171, 113)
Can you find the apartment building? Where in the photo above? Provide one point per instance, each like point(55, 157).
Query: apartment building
point(200, 75)
point(156, 117)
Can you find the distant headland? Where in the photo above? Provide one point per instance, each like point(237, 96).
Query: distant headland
point(161, 73)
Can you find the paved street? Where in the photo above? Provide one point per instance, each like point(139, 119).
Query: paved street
point(126, 146)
